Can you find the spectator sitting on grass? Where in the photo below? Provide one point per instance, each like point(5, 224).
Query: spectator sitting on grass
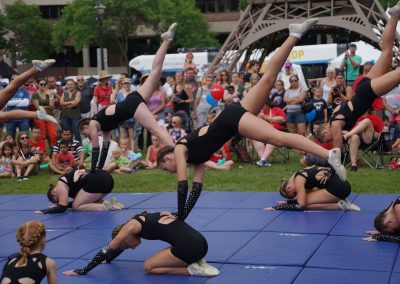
point(27, 159)
point(64, 160)
point(220, 160)
point(119, 163)
point(37, 140)
point(6, 165)
point(176, 130)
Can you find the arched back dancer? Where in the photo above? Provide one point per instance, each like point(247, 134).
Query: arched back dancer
point(239, 118)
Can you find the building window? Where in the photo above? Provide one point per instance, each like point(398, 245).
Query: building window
point(51, 11)
point(217, 6)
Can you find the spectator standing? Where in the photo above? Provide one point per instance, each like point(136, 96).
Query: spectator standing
point(45, 99)
point(86, 96)
point(294, 98)
point(176, 130)
point(320, 106)
point(277, 97)
point(285, 77)
point(326, 83)
point(225, 79)
point(190, 80)
point(236, 82)
point(338, 94)
point(350, 65)
point(201, 106)
point(57, 92)
point(71, 112)
point(20, 101)
point(189, 63)
point(168, 88)
point(102, 92)
point(391, 102)
point(254, 67)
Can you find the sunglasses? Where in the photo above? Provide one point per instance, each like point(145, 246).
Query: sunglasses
point(24, 137)
point(81, 80)
point(42, 84)
point(292, 81)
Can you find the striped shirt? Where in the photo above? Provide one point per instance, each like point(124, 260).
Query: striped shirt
point(74, 147)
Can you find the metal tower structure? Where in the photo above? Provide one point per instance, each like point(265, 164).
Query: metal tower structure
point(263, 25)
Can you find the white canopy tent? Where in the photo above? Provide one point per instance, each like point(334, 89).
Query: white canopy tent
point(365, 50)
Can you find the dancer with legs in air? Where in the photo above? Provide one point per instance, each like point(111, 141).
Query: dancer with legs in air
point(239, 118)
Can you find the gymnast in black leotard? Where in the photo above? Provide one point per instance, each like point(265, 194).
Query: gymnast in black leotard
point(378, 82)
point(133, 106)
point(87, 190)
point(300, 190)
point(183, 257)
point(387, 224)
point(30, 265)
point(239, 118)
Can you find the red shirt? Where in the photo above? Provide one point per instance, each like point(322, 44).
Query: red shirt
point(40, 146)
point(218, 155)
point(153, 153)
point(276, 111)
point(65, 159)
point(378, 102)
point(103, 94)
point(377, 122)
point(327, 145)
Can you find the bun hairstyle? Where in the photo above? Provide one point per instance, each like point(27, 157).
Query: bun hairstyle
point(29, 236)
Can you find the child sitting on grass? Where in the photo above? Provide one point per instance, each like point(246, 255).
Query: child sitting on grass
point(6, 165)
point(220, 160)
point(64, 160)
point(119, 163)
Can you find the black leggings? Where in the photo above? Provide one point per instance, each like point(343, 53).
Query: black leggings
point(337, 187)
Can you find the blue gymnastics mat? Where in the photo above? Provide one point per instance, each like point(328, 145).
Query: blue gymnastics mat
point(247, 244)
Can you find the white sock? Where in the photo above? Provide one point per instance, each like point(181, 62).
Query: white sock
point(298, 35)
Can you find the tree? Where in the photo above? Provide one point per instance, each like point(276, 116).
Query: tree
point(388, 3)
point(121, 21)
point(29, 34)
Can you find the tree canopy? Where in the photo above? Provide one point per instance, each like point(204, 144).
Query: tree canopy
point(122, 19)
point(30, 34)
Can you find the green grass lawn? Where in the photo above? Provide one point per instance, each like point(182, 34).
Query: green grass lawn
point(242, 177)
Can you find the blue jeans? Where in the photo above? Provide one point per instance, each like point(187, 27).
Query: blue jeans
point(72, 123)
point(21, 124)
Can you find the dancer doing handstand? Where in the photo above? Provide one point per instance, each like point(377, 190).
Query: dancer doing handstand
point(133, 106)
point(239, 118)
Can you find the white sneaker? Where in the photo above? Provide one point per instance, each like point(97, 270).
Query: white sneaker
point(300, 29)
point(116, 204)
point(334, 160)
point(169, 35)
point(42, 65)
point(197, 270)
point(395, 10)
point(346, 205)
point(210, 269)
point(42, 115)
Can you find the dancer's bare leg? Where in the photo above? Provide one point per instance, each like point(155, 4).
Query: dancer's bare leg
point(20, 114)
point(8, 92)
point(255, 99)
point(151, 83)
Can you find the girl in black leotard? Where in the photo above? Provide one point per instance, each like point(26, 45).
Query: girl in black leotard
point(30, 265)
point(387, 224)
point(300, 189)
point(133, 106)
point(238, 118)
point(87, 190)
point(183, 257)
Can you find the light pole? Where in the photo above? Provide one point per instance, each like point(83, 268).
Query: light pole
point(100, 13)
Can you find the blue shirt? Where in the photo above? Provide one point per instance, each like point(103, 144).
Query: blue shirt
point(120, 98)
point(19, 99)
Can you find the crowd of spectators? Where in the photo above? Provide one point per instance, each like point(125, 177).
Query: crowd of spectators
point(180, 105)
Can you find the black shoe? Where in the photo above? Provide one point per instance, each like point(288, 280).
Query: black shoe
point(354, 168)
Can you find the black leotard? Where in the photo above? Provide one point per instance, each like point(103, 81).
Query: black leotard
point(187, 244)
point(223, 128)
point(334, 185)
point(361, 101)
point(123, 111)
point(97, 182)
point(35, 268)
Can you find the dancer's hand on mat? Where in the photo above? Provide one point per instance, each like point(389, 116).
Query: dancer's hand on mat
point(374, 232)
point(269, 209)
point(280, 202)
point(70, 273)
point(369, 239)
